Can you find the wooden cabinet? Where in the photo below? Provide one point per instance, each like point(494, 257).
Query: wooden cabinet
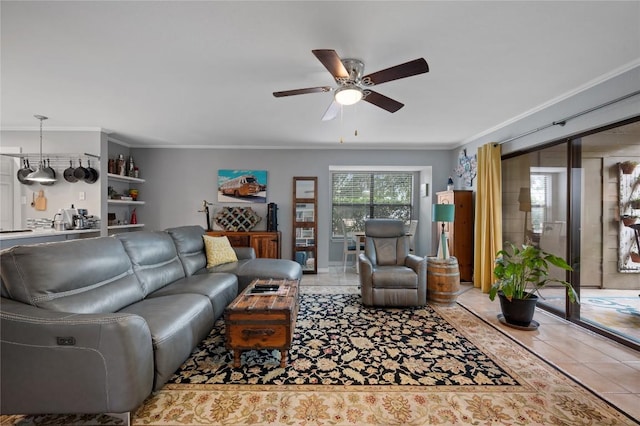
point(305, 223)
point(265, 243)
point(460, 232)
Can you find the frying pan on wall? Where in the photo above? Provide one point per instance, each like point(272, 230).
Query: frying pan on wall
point(50, 171)
point(68, 173)
point(24, 172)
point(93, 173)
point(80, 172)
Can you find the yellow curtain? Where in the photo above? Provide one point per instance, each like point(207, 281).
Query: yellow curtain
point(488, 223)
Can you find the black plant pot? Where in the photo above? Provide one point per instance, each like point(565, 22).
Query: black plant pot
point(518, 311)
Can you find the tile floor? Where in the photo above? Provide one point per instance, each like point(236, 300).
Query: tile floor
point(612, 310)
point(608, 368)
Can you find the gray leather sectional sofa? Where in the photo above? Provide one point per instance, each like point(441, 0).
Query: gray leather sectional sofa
point(95, 325)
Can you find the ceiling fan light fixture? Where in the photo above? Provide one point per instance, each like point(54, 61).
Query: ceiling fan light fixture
point(348, 95)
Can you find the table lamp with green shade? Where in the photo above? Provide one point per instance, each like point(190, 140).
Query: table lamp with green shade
point(443, 213)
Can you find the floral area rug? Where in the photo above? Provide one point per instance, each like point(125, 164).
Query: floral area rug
point(352, 365)
point(340, 342)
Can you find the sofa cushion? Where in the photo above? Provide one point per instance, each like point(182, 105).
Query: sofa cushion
point(250, 269)
point(394, 277)
point(190, 247)
point(154, 258)
point(220, 288)
point(218, 251)
point(92, 275)
point(177, 324)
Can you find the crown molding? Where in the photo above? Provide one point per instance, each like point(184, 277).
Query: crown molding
point(54, 129)
point(589, 85)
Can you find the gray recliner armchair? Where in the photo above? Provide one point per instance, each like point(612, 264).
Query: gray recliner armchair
point(389, 275)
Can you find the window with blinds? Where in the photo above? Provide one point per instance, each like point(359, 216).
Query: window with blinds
point(540, 200)
point(357, 196)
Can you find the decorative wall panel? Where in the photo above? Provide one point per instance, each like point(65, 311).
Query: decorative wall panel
point(629, 241)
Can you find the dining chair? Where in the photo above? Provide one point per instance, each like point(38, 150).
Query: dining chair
point(413, 227)
point(350, 245)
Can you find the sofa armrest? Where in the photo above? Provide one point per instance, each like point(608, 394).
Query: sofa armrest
point(366, 284)
point(59, 362)
point(245, 252)
point(416, 263)
point(419, 266)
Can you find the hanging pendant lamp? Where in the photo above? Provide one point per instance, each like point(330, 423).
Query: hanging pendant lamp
point(41, 175)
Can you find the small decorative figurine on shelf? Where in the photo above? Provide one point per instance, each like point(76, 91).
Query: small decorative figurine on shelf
point(450, 184)
point(120, 165)
point(131, 167)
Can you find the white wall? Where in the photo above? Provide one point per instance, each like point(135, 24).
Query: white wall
point(614, 88)
point(178, 180)
point(55, 144)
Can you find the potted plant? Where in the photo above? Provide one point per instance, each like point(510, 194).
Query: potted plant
point(628, 167)
point(629, 220)
point(521, 273)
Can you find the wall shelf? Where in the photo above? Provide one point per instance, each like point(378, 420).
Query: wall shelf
point(126, 202)
point(137, 225)
point(118, 210)
point(124, 178)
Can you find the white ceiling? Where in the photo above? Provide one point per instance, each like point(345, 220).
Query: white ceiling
point(202, 73)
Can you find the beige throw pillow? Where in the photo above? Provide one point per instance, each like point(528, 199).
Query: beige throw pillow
point(218, 250)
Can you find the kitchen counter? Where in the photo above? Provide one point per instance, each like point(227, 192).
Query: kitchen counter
point(11, 239)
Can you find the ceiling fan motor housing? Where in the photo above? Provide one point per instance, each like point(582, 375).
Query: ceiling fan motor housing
point(355, 69)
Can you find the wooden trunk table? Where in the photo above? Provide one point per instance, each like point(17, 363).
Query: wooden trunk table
point(263, 316)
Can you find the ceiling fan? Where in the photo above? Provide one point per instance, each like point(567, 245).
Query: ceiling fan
point(353, 86)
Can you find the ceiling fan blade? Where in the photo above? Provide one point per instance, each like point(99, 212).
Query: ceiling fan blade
point(382, 101)
point(331, 112)
point(302, 91)
point(417, 66)
point(331, 62)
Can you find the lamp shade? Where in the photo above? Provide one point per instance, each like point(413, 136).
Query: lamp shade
point(524, 198)
point(443, 212)
point(40, 175)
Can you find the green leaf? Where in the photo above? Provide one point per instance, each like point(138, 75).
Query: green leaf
point(521, 272)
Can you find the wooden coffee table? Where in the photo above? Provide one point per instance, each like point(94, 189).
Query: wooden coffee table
point(263, 316)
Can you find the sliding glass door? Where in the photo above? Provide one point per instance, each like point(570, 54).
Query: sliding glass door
point(572, 198)
point(535, 209)
point(609, 227)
